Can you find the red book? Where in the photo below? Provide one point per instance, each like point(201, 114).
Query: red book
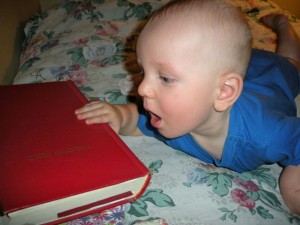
point(55, 168)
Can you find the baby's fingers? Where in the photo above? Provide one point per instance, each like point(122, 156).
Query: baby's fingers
point(88, 107)
point(93, 109)
point(98, 118)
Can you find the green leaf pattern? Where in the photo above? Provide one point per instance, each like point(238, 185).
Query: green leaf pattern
point(245, 189)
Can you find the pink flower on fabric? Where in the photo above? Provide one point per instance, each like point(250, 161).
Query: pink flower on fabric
point(76, 12)
point(107, 29)
point(248, 185)
point(85, 5)
point(241, 198)
point(164, 222)
point(79, 77)
point(75, 67)
point(96, 63)
point(81, 41)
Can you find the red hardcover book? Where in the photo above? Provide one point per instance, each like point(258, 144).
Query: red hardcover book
point(53, 167)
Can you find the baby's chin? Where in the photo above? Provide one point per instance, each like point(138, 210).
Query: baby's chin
point(169, 134)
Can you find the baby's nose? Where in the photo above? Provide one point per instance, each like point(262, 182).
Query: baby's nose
point(146, 89)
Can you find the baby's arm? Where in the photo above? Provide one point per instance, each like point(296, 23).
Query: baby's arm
point(122, 119)
point(290, 187)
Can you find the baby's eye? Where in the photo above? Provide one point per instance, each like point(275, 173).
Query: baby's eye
point(167, 80)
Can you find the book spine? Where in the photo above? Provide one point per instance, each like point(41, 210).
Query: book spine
point(146, 184)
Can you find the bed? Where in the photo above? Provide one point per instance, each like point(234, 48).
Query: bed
point(92, 42)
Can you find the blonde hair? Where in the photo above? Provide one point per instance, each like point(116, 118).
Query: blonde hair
point(218, 22)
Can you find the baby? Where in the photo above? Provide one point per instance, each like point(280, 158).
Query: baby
point(207, 93)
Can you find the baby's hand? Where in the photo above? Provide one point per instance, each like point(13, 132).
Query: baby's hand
point(100, 112)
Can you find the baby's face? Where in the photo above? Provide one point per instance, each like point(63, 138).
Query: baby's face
point(177, 91)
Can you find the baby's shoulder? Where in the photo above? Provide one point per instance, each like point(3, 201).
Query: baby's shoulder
point(268, 70)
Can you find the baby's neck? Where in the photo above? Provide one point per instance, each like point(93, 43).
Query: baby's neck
point(213, 138)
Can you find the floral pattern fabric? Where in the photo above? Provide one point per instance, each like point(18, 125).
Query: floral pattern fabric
point(92, 42)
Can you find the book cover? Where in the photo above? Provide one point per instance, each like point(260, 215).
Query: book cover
point(53, 167)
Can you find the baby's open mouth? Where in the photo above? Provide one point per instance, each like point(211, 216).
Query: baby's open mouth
point(155, 120)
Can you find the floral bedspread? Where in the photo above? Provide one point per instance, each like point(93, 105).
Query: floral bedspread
point(92, 42)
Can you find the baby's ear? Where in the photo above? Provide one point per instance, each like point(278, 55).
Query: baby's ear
point(229, 89)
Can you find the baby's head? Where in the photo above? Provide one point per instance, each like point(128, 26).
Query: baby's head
point(194, 54)
point(219, 30)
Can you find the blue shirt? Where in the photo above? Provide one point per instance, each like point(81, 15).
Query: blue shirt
point(263, 125)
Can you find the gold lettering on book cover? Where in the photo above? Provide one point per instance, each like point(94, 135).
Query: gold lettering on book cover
point(60, 152)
